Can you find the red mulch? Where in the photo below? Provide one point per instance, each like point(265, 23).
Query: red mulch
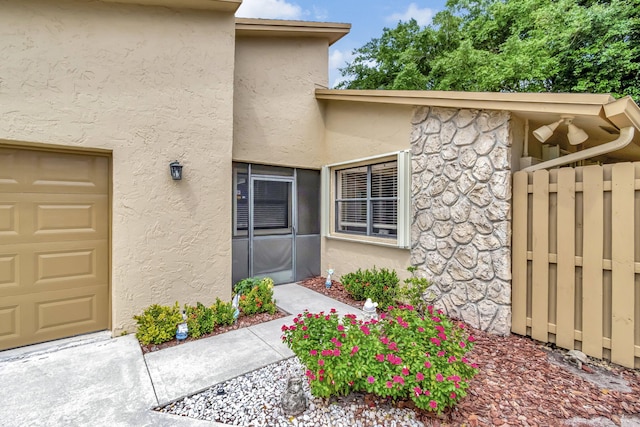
point(336, 291)
point(243, 322)
point(519, 386)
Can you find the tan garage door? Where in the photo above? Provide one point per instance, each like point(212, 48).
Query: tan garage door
point(54, 245)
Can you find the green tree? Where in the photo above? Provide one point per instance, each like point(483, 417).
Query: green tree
point(509, 46)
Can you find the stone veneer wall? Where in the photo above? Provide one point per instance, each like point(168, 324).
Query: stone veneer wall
point(461, 206)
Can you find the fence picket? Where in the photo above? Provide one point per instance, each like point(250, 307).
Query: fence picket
point(519, 254)
point(540, 262)
point(592, 291)
point(622, 264)
point(565, 295)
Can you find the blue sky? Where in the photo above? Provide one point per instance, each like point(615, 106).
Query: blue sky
point(367, 17)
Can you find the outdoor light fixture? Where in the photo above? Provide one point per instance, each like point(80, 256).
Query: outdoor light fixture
point(176, 170)
point(574, 133)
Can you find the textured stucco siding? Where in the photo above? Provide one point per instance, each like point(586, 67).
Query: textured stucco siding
point(153, 85)
point(356, 131)
point(277, 119)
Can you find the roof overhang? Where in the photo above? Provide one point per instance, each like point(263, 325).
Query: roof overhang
point(249, 27)
point(216, 5)
point(600, 115)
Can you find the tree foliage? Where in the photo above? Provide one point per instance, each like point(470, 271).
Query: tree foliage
point(509, 46)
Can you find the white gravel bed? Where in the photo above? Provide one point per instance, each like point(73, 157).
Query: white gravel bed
point(254, 400)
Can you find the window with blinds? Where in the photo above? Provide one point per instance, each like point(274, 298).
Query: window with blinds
point(271, 204)
point(367, 200)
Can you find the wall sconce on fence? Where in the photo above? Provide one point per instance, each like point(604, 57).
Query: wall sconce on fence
point(176, 170)
point(574, 133)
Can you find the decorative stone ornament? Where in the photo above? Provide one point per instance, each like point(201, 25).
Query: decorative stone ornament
point(369, 310)
point(294, 401)
point(183, 329)
point(577, 358)
point(327, 283)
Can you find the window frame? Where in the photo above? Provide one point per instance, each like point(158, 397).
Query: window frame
point(330, 201)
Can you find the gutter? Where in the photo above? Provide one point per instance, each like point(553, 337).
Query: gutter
point(624, 139)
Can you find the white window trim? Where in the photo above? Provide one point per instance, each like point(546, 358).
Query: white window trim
point(403, 238)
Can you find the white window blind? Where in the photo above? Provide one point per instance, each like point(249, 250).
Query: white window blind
point(367, 200)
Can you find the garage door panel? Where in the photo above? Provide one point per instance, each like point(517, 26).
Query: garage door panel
point(9, 321)
point(49, 172)
point(70, 312)
point(27, 218)
point(51, 315)
point(72, 267)
point(85, 219)
point(27, 269)
point(63, 312)
point(8, 219)
point(9, 271)
point(67, 173)
point(12, 174)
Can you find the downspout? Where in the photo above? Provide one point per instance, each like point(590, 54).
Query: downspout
point(624, 139)
point(526, 139)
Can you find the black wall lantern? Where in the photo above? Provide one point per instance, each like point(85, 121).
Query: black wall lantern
point(176, 170)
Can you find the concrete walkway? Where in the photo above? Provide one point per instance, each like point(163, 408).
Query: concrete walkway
point(98, 381)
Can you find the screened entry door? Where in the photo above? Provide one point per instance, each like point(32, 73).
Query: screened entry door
point(272, 227)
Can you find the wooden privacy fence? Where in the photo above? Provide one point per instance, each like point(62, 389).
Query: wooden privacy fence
point(576, 259)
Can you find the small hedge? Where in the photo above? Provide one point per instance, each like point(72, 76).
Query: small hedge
point(200, 320)
point(158, 324)
point(258, 298)
point(379, 285)
point(223, 313)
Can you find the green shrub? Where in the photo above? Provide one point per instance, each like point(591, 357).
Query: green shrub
point(245, 285)
point(200, 320)
point(415, 291)
point(379, 285)
point(402, 356)
point(158, 324)
point(259, 299)
point(223, 312)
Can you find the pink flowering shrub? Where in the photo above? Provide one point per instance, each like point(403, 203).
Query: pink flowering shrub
point(402, 355)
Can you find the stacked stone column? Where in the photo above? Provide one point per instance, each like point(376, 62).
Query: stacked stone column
point(461, 206)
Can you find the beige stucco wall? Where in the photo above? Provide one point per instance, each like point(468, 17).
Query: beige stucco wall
point(355, 131)
point(153, 85)
point(277, 119)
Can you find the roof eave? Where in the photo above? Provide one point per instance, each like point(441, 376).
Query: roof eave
point(250, 27)
point(229, 6)
point(578, 104)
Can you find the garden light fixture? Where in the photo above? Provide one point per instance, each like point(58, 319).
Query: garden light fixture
point(176, 170)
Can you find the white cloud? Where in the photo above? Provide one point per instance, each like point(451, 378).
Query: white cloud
point(422, 16)
point(338, 59)
point(269, 9)
point(320, 14)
